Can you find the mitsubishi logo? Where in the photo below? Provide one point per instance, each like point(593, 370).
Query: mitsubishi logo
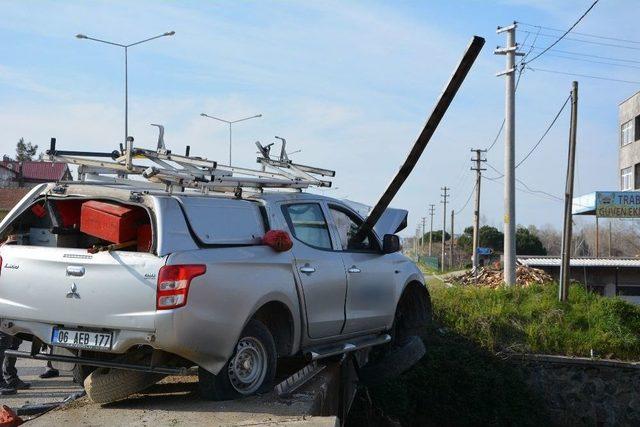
point(74, 292)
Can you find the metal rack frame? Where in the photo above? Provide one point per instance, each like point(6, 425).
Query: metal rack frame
point(173, 172)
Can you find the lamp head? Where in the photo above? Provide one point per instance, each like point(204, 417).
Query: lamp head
point(203, 114)
point(81, 36)
point(169, 33)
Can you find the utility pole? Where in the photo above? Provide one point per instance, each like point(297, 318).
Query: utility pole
point(597, 238)
point(432, 211)
point(451, 241)
point(424, 220)
point(444, 196)
point(610, 238)
point(476, 213)
point(568, 198)
point(509, 152)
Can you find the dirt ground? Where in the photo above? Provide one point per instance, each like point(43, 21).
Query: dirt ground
point(173, 402)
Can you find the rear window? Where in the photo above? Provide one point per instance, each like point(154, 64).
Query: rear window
point(224, 221)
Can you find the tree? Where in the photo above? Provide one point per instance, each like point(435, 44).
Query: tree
point(528, 243)
point(25, 150)
point(437, 236)
point(491, 237)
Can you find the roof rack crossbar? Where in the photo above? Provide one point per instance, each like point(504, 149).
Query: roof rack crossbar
point(172, 171)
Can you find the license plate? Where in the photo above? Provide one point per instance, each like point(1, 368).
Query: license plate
point(82, 339)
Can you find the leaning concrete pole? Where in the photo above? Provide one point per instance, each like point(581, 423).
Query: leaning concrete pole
point(568, 199)
point(460, 73)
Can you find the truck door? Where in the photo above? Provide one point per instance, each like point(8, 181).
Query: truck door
point(319, 269)
point(370, 275)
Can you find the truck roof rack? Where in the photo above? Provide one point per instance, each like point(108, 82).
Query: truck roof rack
point(173, 172)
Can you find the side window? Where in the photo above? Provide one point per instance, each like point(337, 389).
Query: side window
point(347, 226)
point(308, 224)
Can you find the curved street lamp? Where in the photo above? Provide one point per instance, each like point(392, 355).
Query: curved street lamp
point(230, 122)
point(126, 71)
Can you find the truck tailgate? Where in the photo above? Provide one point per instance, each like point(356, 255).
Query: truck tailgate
point(74, 288)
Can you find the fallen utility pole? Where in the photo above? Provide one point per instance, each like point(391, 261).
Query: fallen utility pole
point(460, 73)
point(568, 198)
point(509, 152)
point(476, 212)
point(432, 211)
point(444, 225)
point(451, 241)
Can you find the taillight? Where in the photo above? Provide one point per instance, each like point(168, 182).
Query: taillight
point(173, 284)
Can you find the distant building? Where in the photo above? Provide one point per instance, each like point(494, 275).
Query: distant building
point(30, 173)
point(629, 151)
point(9, 197)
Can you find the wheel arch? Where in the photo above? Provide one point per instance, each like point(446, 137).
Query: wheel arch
point(414, 308)
point(278, 318)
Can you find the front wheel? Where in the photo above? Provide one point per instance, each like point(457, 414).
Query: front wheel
point(250, 370)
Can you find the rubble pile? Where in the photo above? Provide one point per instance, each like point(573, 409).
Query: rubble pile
point(492, 277)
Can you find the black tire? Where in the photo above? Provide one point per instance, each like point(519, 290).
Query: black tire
point(396, 360)
point(106, 385)
point(81, 372)
point(255, 346)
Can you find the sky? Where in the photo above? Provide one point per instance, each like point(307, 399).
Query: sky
point(350, 84)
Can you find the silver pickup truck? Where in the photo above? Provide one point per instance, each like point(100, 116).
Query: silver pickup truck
point(227, 284)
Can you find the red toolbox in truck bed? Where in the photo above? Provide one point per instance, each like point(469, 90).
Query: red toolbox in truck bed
point(110, 221)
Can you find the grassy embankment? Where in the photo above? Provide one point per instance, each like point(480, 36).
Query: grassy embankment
point(462, 381)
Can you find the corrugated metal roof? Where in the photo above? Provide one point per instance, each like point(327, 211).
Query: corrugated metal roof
point(541, 261)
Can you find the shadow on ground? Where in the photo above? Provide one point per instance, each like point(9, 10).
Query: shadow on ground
point(457, 383)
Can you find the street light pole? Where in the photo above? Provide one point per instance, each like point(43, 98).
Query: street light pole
point(230, 123)
point(126, 70)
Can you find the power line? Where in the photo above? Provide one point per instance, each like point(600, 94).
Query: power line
point(565, 33)
point(528, 190)
point(459, 211)
point(594, 61)
point(584, 75)
point(553, 122)
point(501, 175)
point(584, 41)
point(581, 34)
point(569, 52)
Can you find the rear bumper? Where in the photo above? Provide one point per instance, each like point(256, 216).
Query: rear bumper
point(123, 339)
point(203, 342)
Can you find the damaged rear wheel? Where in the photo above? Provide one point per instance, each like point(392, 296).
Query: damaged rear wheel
point(250, 370)
point(106, 385)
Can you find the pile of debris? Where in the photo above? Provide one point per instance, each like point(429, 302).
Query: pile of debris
point(492, 277)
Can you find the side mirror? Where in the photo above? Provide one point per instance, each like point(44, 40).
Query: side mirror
point(278, 240)
point(390, 243)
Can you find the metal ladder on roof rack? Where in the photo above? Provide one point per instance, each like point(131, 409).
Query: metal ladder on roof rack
point(173, 172)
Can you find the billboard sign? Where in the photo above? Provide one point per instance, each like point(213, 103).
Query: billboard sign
point(618, 204)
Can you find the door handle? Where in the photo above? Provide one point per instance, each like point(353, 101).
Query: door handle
point(354, 269)
point(307, 269)
point(75, 270)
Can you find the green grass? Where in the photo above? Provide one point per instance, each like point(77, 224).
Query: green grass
point(533, 320)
